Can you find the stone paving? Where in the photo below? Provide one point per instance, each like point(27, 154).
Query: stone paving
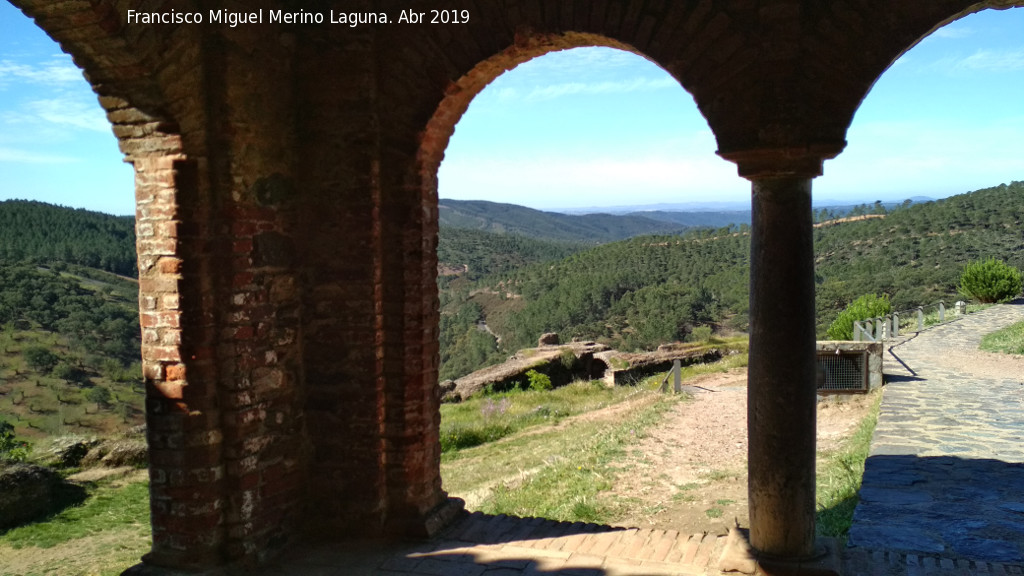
point(945, 475)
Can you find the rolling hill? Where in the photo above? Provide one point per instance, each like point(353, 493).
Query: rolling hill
point(520, 220)
point(639, 292)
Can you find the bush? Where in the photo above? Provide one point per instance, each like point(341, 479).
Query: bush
point(990, 281)
point(40, 358)
point(867, 306)
point(539, 381)
point(100, 395)
point(11, 448)
point(700, 334)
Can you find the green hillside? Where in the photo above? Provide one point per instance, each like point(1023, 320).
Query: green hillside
point(528, 279)
point(513, 219)
point(39, 232)
point(475, 253)
point(69, 351)
point(643, 291)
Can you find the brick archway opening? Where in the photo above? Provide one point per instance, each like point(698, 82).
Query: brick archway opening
point(443, 124)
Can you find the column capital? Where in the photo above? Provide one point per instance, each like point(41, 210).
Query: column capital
point(782, 162)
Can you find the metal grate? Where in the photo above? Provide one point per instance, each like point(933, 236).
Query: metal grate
point(842, 372)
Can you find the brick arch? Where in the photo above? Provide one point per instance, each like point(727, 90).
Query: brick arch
point(851, 47)
point(459, 94)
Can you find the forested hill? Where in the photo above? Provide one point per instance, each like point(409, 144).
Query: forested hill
point(647, 290)
point(520, 220)
point(474, 253)
point(44, 233)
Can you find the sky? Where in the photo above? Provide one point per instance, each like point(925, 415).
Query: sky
point(587, 128)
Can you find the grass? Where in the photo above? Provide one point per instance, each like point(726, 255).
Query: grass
point(839, 476)
point(738, 360)
point(1009, 340)
point(104, 535)
point(487, 418)
point(568, 488)
point(714, 512)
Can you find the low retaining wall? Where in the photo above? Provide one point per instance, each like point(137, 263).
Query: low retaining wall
point(841, 363)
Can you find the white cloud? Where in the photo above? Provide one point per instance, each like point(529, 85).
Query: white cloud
point(954, 32)
point(55, 72)
point(983, 61)
point(606, 87)
point(70, 112)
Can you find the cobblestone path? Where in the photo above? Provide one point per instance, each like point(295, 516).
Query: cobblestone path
point(945, 474)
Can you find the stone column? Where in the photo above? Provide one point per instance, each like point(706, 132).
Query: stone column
point(781, 391)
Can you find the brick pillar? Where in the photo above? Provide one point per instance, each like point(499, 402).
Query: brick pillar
point(182, 416)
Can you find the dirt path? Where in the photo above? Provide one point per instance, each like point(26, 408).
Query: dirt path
point(690, 472)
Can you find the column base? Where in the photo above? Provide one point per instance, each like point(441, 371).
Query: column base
point(738, 556)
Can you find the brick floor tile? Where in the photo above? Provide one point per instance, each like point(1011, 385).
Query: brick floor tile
point(665, 545)
point(573, 542)
point(620, 546)
point(637, 543)
point(584, 561)
point(653, 539)
point(523, 529)
point(600, 543)
point(705, 550)
point(692, 545)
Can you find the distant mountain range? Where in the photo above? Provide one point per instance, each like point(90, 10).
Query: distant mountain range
point(520, 220)
point(735, 207)
point(600, 225)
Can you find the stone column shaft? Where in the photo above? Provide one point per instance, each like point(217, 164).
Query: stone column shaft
point(781, 405)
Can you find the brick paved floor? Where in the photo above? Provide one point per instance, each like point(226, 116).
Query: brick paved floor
point(481, 545)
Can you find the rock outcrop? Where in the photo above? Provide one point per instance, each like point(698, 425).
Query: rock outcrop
point(27, 492)
point(549, 359)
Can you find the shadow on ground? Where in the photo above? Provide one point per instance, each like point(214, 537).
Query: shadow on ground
point(965, 507)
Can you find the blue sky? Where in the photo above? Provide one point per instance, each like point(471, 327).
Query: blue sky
point(586, 128)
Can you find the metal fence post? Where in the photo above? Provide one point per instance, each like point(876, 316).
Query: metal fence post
point(677, 383)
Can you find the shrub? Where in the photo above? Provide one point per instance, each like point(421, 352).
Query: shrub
point(700, 334)
point(539, 381)
point(867, 306)
point(40, 358)
point(100, 395)
point(567, 358)
point(990, 281)
point(11, 448)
